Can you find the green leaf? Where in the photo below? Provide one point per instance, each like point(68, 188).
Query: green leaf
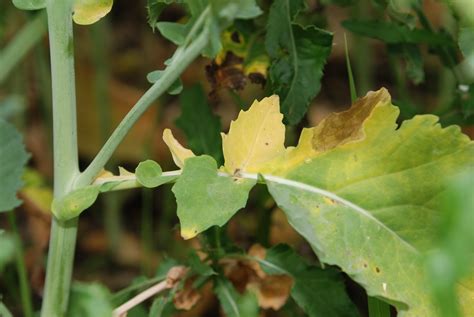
point(298, 56)
point(12, 106)
point(90, 11)
point(89, 300)
point(466, 41)
point(71, 205)
point(13, 158)
point(174, 89)
point(393, 33)
point(221, 15)
point(158, 307)
point(319, 292)
point(453, 259)
point(198, 266)
point(29, 4)
point(200, 125)
point(366, 196)
point(4, 312)
point(234, 304)
point(206, 199)
point(154, 9)
point(240, 9)
point(413, 60)
point(175, 32)
point(149, 174)
point(7, 249)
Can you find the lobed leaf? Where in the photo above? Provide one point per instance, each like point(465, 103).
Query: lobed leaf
point(204, 198)
point(13, 158)
point(366, 195)
point(298, 56)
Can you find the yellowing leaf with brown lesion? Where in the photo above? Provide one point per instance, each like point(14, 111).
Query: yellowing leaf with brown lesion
point(332, 132)
point(255, 138)
point(90, 11)
point(179, 152)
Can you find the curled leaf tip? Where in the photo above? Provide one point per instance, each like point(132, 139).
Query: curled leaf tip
point(179, 152)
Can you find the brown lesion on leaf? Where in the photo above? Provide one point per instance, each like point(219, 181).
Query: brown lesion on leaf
point(343, 127)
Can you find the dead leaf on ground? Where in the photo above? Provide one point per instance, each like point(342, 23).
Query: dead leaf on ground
point(272, 291)
point(187, 297)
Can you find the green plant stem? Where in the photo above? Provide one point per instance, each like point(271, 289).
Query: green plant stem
point(350, 75)
point(180, 61)
point(25, 292)
point(63, 234)
point(21, 44)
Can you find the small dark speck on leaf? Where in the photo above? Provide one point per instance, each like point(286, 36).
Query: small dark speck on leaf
point(377, 269)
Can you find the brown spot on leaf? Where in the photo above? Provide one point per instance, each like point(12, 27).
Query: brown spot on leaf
point(343, 127)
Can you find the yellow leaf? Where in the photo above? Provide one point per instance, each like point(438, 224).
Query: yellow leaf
point(90, 11)
point(179, 152)
point(255, 138)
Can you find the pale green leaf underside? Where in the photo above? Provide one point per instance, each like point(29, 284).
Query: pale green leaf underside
point(389, 185)
point(13, 158)
point(29, 4)
point(204, 198)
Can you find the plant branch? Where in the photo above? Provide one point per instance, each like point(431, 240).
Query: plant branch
point(155, 289)
point(174, 275)
point(179, 63)
point(29, 35)
point(63, 234)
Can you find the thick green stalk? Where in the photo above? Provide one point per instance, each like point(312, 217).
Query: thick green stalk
point(21, 44)
point(25, 292)
point(63, 234)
